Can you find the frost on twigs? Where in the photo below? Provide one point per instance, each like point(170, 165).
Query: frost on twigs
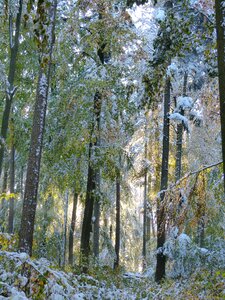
point(178, 118)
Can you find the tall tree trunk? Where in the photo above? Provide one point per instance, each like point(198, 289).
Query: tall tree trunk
point(161, 234)
point(91, 188)
point(3, 200)
point(66, 204)
point(45, 223)
point(145, 214)
point(12, 190)
point(201, 210)
point(179, 143)
point(97, 203)
point(220, 16)
point(149, 210)
point(91, 182)
point(21, 182)
point(96, 219)
point(72, 227)
point(14, 46)
point(117, 236)
point(33, 168)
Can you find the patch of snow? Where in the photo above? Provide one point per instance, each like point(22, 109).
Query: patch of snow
point(172, 70)
point(184, 102)
point(160, 15)
point(177, 117)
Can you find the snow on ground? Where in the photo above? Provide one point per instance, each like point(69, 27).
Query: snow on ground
point(22, 278)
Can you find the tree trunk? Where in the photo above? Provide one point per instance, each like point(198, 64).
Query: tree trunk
point(97, 203)
point(33, 168)
point(72, 228)
point(12, 190)
point(117, 236)
point(220, 15)
point(42, 251)
point(3, 200)
point(14, 46)
point(149, 210)
point(179, 142)
point(145, 214)
point(96, 230)
point(66, 204)
point(21, 182)
point(91, 188)
point(91, 182)
point(161, 234)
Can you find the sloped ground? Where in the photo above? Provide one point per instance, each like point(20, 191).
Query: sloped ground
point(22, 278)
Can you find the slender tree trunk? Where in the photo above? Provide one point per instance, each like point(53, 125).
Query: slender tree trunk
point(220, 15)
point(161, 234)
point(149, 211)
point(14, 46)
point(3, 200)
point(33, 168)
point(110, 232)
point(201, 211)
point(117, 236)
point(12, 190)
point(145, 214)
point(179, 143)
point(21, 182)
point(43, 242)
point(66, 204)
point(72, 228)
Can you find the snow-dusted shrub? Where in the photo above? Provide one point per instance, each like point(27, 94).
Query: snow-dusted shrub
point(184, 256)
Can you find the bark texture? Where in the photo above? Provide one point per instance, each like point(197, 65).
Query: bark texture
point(161, 234)
point(33, 168)
point(179, 143)
point(117, 237)
point(220, 16)
point(145, 214)
point(91, 188)
point(72, 228)
point(12, 189)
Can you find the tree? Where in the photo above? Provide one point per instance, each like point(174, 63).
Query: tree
point(11, 89)
point(12, 182)
point(161, 231)
point(117, 235)
point(45, 41)
point(220, 14)
point(179, 141)
point(72, 227)
point(92, 172)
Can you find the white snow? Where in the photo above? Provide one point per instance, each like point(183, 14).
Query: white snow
point(172, 70)
point(177, 117)
point(184, 102)
point(160, 15)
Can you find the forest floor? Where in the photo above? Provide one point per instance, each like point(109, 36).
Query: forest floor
point(22, 278)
